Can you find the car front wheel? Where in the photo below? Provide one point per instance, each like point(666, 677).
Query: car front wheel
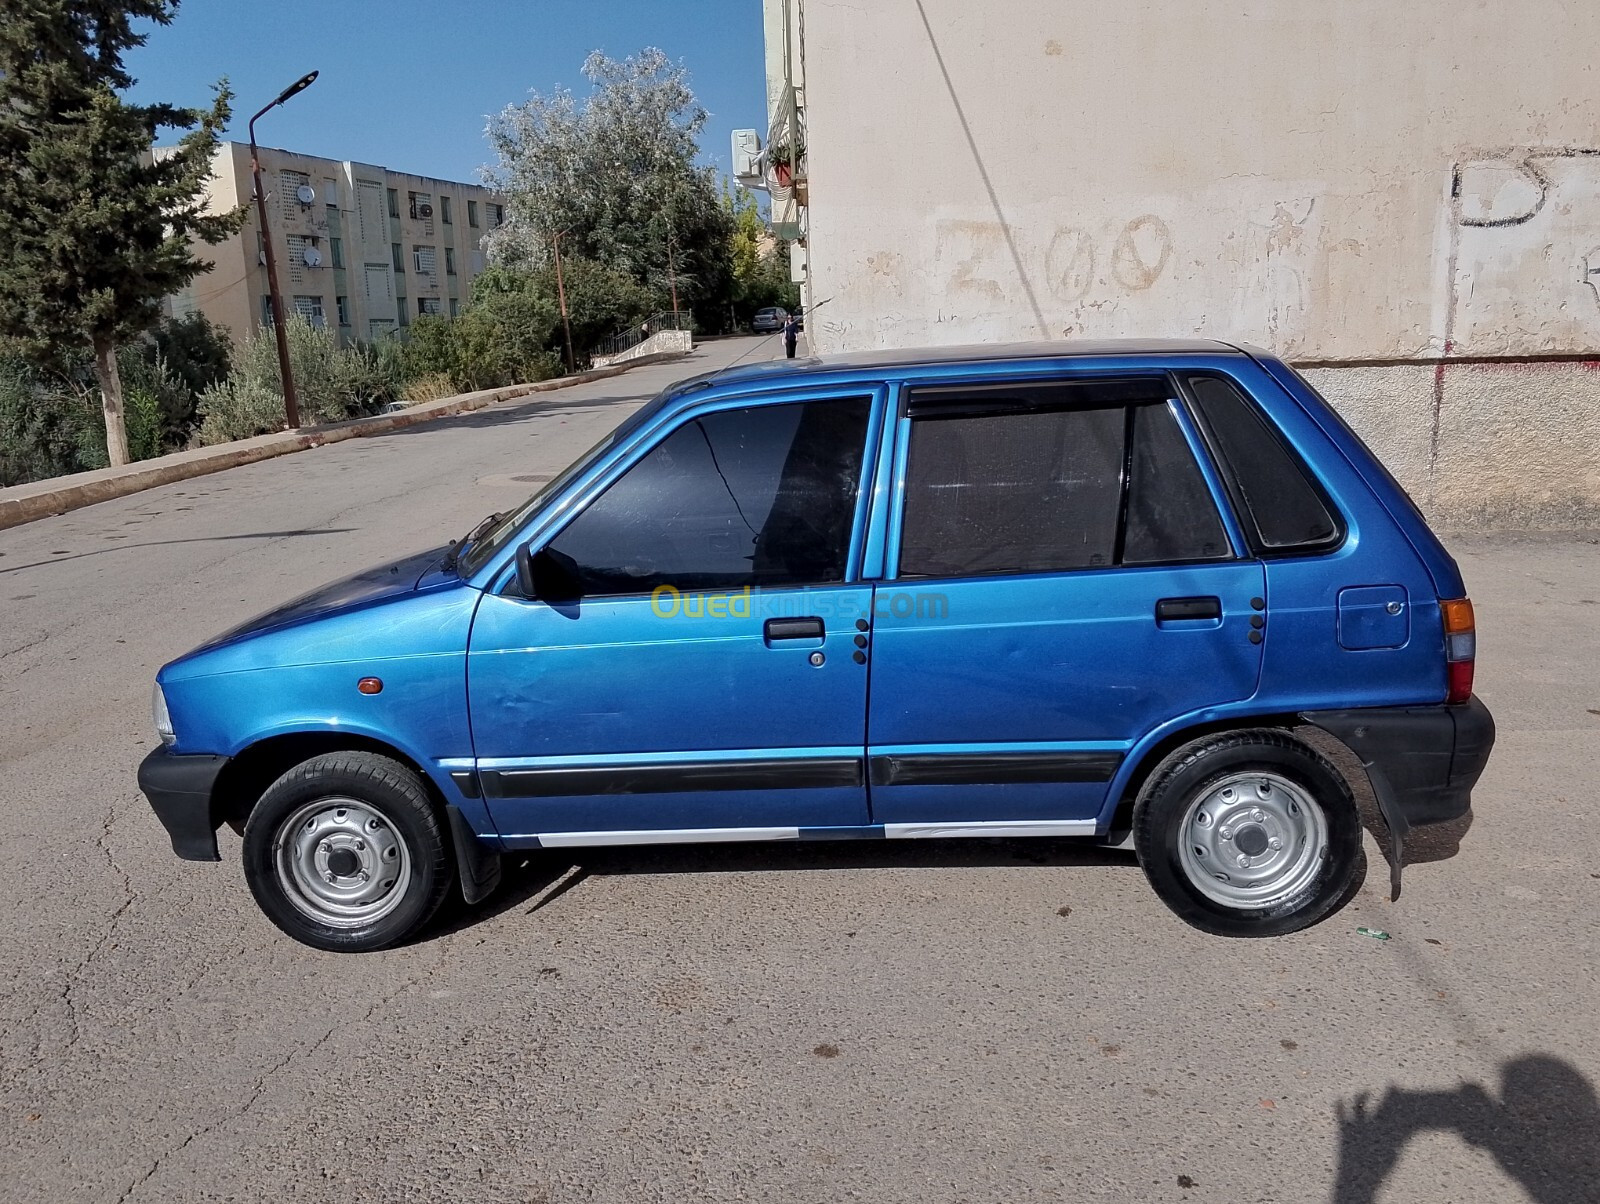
point(345, 852)
point(1249, 834)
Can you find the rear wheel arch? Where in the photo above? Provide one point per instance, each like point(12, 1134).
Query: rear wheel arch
point(1173, 745)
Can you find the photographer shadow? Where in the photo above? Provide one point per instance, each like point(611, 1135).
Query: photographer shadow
point(1543, 1130)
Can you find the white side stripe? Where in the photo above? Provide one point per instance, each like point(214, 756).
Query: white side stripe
point(1003, 827)
point(563, 840)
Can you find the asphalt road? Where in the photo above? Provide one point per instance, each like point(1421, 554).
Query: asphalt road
point(926, 1022)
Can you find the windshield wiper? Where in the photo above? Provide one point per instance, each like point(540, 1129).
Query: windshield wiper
point(452, 557)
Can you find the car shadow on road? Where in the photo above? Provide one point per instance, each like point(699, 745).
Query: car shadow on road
point(63, 557)
point(1543, 1130)
point(539, 878)
point(509, 413)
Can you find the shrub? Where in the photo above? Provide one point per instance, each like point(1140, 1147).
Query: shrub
point(240, 407)
point(157, 406)
point(46, 429)
point(429, 388)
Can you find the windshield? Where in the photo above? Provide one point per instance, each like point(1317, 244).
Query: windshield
point(491, 541)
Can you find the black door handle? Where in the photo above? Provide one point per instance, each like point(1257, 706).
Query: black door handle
point(1169, 609)
point(808, 628)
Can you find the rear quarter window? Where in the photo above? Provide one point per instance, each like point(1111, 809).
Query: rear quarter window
point(1281, 507)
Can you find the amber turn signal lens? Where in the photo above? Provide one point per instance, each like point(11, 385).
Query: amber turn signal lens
point(370, 685)
point(1458, 615)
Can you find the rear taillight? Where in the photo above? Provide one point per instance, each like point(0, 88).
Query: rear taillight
point(1460, 647)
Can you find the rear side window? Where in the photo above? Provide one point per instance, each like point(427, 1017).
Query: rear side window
point(1282, 509)
point(1027, 488)
point(761, 496)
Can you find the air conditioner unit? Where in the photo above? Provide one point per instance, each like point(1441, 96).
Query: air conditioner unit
point(422, 211)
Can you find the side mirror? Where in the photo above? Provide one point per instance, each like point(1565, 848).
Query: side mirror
point(547, 575)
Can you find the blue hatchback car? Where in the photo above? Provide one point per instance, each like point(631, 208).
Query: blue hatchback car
point(1097, 590)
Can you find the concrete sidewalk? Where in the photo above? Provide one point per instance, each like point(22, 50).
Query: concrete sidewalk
point(56, 495)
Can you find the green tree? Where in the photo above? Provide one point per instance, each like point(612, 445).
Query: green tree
point(760, 263)
point(94, 229)
point(616, 176)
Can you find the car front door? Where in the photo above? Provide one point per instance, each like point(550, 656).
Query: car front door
point(1063, 582)
point(697, 680)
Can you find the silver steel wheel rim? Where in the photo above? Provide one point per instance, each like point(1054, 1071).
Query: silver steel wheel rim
point(341, 862)
point(1252, 840)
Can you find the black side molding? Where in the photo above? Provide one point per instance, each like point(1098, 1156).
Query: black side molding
point(982, 769)
point(670, 777)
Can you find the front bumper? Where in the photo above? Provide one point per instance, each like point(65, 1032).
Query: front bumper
point(179, 788)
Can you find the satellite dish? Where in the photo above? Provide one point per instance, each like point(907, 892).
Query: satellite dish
point(304, 194)
point(313, 257)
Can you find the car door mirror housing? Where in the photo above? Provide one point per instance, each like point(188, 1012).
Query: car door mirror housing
point(547, 575)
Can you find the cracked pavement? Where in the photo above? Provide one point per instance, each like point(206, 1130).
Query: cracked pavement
point(943, 1021)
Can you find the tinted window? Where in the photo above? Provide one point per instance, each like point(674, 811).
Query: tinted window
point(761, 496)
point(1282, 507)
point(1012, 492)
point(1171, 513)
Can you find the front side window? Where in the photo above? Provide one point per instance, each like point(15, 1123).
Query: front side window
point(1282, 509)
point(763, 496)
point(1034, 483)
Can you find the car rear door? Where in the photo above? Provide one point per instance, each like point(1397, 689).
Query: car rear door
point(1061, 579)
point(703, 686)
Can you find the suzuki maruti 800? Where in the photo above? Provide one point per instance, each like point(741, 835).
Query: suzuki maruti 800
point(1097, 590)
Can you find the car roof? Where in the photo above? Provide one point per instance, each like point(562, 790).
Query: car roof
point(914, 357)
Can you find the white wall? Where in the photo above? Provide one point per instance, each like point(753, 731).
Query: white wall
point(1359, 180)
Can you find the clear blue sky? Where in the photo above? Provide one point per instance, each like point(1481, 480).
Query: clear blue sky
point(407, 84)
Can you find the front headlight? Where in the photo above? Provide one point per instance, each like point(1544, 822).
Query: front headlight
point(163, 719)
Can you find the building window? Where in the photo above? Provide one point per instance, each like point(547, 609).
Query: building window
point(394, 203)
point(428, 305)
point(449, 261)
point(397, 252)
point(293, 188)
point(400, 308)
point(421, 206)
point(266, 311)
point(343, 304)
point(310, 308)
point(330, 193)
point(444, 210)
point(455, 307)
point(336, 251)
point(497, 216)
point(472, 214)
point(426, 259)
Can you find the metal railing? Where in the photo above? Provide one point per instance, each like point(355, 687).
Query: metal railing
point(625, 340)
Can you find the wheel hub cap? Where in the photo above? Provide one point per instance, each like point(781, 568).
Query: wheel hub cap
point(341, 863)
point(1252, 840)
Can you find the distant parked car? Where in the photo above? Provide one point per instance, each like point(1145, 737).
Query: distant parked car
point(1101, 590)
point(769, 320)
point(395, 407)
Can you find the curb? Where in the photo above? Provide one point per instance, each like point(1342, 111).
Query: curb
point(57, 495)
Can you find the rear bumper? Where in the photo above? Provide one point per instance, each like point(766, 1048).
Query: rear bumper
point(1423, 761)
point(179, 789)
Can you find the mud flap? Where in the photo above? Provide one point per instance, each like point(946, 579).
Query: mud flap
point(1399, 825)
point(477, 865)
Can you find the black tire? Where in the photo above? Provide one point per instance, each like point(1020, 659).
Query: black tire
point(389, 796)
point(1192, 773)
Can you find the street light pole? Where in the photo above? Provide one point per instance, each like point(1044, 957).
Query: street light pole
point(291, 402)
point(672, 277)
point(561, 292)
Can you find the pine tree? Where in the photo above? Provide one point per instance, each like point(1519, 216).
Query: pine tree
point(94, 229)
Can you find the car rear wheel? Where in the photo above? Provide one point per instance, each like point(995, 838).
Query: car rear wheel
point(1249, 834)
point(345, 852)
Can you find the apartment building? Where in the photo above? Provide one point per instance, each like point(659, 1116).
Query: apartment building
point(360, 249)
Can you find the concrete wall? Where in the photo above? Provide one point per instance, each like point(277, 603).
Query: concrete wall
point(1351, 183)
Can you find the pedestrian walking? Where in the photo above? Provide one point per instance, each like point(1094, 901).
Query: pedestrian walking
point(791, 332)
